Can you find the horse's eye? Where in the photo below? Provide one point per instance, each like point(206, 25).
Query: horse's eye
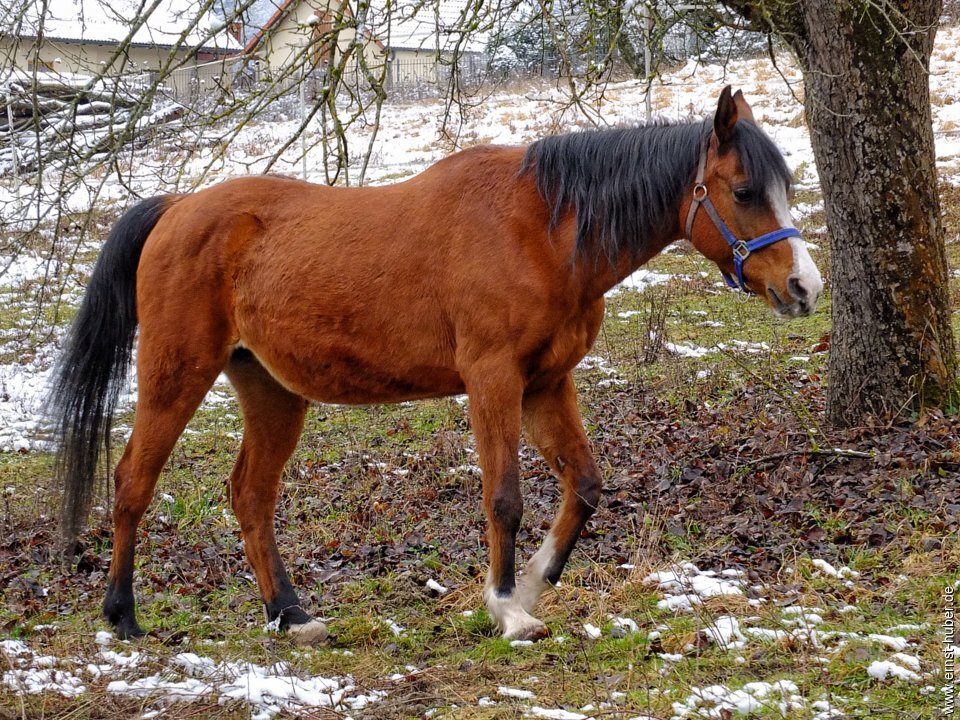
point(742, 195)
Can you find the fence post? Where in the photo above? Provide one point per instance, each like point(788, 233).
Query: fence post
point(13, 137)
point(647, 58)
point(303, 117)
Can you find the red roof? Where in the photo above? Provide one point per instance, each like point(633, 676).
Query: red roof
point(282, 12)
point(275, 18)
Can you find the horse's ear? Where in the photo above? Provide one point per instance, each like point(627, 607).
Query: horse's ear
point(726, 118)
point(743, 107)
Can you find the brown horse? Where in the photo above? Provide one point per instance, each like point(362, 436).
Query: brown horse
point(485, 275)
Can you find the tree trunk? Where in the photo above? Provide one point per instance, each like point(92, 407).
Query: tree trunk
point(868, 108)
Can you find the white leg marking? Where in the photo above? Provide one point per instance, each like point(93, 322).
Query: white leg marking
point(513, 621)
point(533, 583)
point(308, 633)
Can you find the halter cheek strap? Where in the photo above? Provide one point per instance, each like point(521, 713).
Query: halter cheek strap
point(741, 249)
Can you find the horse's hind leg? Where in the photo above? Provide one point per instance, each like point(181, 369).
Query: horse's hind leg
point(273, 420)
point(552, 422)
point(170, 392)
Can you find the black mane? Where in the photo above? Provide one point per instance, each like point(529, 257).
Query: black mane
point(626, 183)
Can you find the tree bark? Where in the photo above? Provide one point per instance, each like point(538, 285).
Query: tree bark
point(867, 104)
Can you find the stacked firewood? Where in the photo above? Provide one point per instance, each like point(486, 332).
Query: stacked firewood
point(52, 118)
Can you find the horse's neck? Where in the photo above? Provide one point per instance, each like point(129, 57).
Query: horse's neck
point(599, 277)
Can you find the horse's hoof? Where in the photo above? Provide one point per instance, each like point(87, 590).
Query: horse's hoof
point(127, 629)
point(308, 633)
point(531, 631)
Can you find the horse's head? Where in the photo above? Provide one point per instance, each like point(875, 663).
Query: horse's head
point(737, 214)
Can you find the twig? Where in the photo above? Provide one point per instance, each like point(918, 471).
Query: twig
point(829, 452)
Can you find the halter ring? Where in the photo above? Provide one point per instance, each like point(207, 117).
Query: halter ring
point(699, 192)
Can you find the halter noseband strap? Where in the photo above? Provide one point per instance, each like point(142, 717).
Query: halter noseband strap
point(741, 249)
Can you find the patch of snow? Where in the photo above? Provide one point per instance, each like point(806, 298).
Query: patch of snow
point(32, 681)
point(394, 628)
point(23, 389)
point(595, 362)
point(883, 669)
point(436, 587)
point(767, 634)
point(21, 268)
point(825, 711)
point(752, 348)
point(753, 697)
point(14, 648)
point(269, 690)
point(894, 642)
point(725, 632)
point(827, 569)
point(689, 586)
point(641, 280)
point(908, 661)
point(515, 693)
point(190, 677)
point(119, 660)
point(908, 627)
point(687, 350)
point(801, 617)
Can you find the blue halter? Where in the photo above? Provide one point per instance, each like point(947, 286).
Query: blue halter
point(741, 248)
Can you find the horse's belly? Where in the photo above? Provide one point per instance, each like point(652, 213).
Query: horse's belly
point(356, 378)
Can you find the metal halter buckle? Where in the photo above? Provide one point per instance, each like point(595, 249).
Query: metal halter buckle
point(699, 192)
point(741, 250)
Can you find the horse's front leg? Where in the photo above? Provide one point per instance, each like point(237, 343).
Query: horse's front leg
point(495, 402)
point(551, 420)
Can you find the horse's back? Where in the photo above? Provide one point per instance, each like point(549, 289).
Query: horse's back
point(362, 294)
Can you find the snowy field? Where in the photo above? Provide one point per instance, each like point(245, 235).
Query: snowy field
point(409, 141)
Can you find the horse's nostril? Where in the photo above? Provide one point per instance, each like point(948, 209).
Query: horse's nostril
point(797, 289)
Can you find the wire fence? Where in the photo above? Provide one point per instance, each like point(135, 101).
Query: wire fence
point(404, 75)
point(191, 83)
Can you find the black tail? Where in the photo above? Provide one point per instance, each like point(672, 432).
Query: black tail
point(96, 358)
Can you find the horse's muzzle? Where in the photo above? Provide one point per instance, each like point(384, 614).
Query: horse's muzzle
point(801, 300)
